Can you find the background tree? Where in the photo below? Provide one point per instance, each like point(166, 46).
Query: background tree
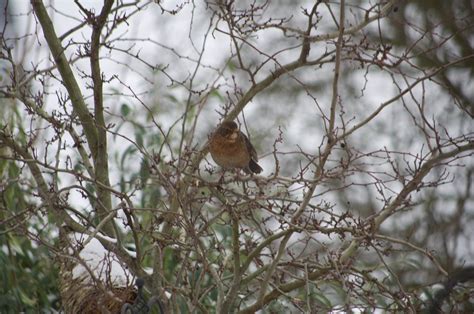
point(361, 113)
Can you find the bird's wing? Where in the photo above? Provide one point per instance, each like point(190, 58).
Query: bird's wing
point(250, 148)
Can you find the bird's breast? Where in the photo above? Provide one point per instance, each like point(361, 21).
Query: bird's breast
point(229, 153)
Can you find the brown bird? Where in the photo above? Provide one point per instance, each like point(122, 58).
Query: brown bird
point(231, 149)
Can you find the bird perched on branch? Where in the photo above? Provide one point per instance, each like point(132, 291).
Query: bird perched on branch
point(230, 148)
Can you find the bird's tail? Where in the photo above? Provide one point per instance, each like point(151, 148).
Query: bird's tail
point(254, 167)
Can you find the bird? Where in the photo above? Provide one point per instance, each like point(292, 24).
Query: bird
point(231, 149)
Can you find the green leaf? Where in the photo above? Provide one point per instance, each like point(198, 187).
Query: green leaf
point(125, 110)
point(26, 299)
point(321, 299)
point(215, 93)
point(412, 263)
point(232, 66)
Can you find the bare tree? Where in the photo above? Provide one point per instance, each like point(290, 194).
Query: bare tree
point(366, 149)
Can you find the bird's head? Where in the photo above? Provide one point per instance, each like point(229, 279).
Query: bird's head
point(229, 129)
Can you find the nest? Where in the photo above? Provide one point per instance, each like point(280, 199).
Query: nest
point(80, 298)
point(84, 295)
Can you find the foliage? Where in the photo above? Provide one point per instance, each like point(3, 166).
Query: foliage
point(357, 110)
point(28, 276)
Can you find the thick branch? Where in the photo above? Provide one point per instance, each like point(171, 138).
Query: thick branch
point(412, 185)
point(275, 293)
point(337, 70)
point(77, 100)
point(230, 297)
point(49, 197)
point(384, 11)
point(67, 75)
point(101, 160)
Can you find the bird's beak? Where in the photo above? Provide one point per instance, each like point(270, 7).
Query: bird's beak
point(234, 135)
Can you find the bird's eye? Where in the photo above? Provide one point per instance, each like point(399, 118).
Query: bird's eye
point(224, 131)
